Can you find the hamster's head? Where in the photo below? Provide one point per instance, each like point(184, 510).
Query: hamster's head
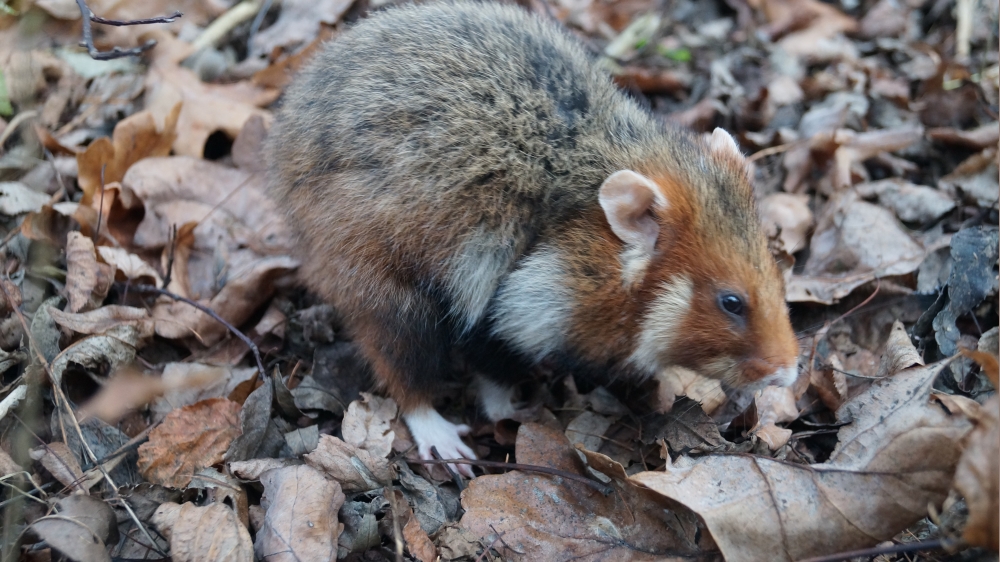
point(696, 258)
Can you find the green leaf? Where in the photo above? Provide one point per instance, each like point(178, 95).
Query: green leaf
point(5, 107)
point(7, 10)
point(679, 55)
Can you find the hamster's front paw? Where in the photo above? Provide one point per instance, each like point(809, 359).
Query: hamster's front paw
point(429, 429)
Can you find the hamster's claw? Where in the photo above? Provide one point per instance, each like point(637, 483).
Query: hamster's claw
point(429, 430)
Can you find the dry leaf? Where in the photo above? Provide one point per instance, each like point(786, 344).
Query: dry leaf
point(896, 457)
point(17, 199)
point(134, 138)
point(854, 243)
point(203, 533)
point(130, 266)
point(112, 349)
point(189, 439)
point(301, 521)
point(87, 281)
point(977, 475)
point(193, 382)
point(62, 464)
point(205, 108)
point(81, 528)
point(788, 217)
point(105, 318)
point(298, 24)
point(910, 202)
point(528, 516)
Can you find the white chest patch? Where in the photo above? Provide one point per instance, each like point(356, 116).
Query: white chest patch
point(534, 305)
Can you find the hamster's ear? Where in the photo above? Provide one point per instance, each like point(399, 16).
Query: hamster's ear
point(628, 200)
point(723, 144)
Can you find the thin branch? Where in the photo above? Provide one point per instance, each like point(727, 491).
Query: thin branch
point(937, 544)
point(116, 52)
point(599, 486)
point(158, 291)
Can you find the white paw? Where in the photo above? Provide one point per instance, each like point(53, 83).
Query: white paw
point(496, 401)
point(429, 429)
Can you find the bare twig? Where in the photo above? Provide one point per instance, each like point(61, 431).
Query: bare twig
point(116, 52)
point(937, 544)
point(150, 289)
point(599, 486)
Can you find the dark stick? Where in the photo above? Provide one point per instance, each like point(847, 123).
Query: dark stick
point(937, 544)
point(599, 486)
point(116, 52)
point(206, 310)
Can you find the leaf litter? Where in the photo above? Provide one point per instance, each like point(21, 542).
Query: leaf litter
point(137, 426)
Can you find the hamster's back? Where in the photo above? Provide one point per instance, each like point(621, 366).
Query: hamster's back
point(425, 134)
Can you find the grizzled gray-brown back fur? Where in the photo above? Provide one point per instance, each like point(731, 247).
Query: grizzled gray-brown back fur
point(432, 147)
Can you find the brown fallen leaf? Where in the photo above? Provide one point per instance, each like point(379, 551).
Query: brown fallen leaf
point(979, 138)
point(359, 461)
point(235, 303)
point(418, 544)
point(975, 181)
point(87, 281)
point(81, 529)
point(193, 382)
point(301, 520)
point(129, 266)
point(189, 439)
point(896, 457)
point(899, 352)
point(854, 243)
point(105, 318)
point(112, 349)
point(910, 202)
point(299, 24)
point(203, 533)
point(976, 478)
point(17, 199)
point(205, 108)
point(106, 160)
point(62, 465)
point(787, 216)
point(528, 516)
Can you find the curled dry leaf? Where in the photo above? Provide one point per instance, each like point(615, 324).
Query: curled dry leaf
point(529, 516)
point(205, 108)
point(81, 529)
point(17, 198)
point(981, 137)
point(899, 352)
point(298, 24)
point(112, 349)
point(301, 521)
point(977, 475)
point(855, 242)
point(203, 533)
point(61, 464)
point(106, 160)
point(193, 382)
point(254, 468)
point(788, 217)
point(189, 439)
point(359, 461)
point(417, 542)
point(105, 318)
point(678, 381)
point(910, 202)
point(975, 181)
point(775, 405)
point(12, 399)
point(896, 457)
point(130, 266)
point(87, 281)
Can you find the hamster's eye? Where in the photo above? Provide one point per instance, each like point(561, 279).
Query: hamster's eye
point(732, 304)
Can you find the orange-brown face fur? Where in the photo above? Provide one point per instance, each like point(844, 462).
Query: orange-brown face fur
point(670, 314)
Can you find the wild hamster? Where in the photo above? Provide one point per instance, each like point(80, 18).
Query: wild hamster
point(462, 176)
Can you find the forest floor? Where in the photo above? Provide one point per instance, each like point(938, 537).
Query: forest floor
point(141, 257)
